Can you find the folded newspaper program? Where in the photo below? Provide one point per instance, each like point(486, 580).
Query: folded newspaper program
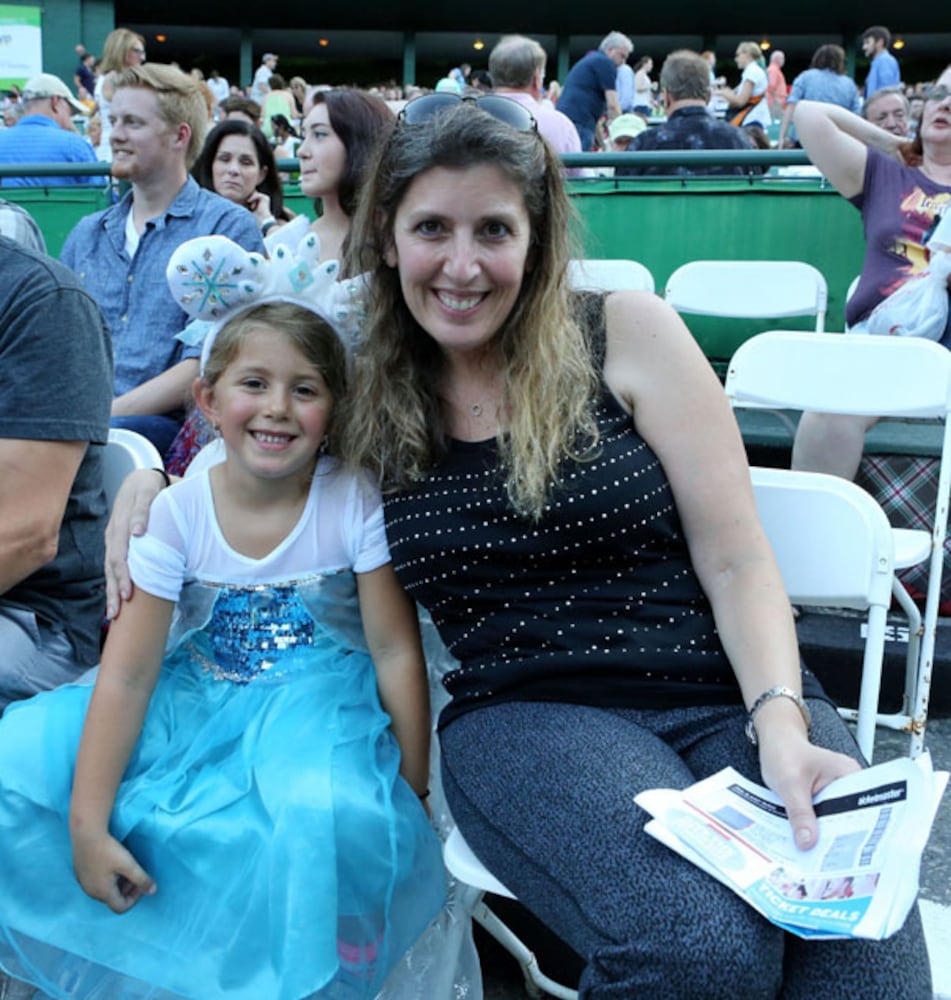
point(861, 878)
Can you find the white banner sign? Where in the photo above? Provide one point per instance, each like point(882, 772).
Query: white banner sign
point(21, 44)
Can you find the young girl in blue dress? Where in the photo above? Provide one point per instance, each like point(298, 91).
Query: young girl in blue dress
point(245, 817)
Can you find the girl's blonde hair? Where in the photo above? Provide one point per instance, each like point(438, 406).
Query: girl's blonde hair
point(395, 421)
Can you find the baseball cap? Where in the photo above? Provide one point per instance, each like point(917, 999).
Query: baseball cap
point(47, 85)
point(628, 124)
point(269, 55)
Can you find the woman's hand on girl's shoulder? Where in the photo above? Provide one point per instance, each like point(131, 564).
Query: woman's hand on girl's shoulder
point(129, 516)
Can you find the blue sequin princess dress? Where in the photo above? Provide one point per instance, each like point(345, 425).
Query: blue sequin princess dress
point(263, 794)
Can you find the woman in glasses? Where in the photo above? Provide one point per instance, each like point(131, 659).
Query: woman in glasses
point(901, 188)
point(123, 48)
point(567, 494)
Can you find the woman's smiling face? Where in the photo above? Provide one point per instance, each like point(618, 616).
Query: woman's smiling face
point(461, 241)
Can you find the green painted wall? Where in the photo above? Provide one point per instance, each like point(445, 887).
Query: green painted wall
point(64, 24)
point(665, 223)
point(661, 223)
point(57, 210)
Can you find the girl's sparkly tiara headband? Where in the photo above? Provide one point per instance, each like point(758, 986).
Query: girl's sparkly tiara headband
point(214, 280)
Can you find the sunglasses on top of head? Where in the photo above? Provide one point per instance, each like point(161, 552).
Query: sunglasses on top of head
point(422, 109)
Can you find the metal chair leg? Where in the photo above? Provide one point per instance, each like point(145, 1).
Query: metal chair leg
point(537, 984)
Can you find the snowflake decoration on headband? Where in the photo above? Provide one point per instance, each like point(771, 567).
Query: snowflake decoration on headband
point(214, 280)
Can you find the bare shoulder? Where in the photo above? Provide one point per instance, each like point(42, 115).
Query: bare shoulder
point(649, 348)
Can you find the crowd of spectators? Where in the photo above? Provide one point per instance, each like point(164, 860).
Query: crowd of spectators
point(608, 101)
point(609, 81)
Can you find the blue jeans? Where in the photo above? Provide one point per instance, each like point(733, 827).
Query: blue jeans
point(586, 135)
point(36, 656)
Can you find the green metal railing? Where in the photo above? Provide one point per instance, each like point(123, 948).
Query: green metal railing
point(690, 158)
point(660, 221)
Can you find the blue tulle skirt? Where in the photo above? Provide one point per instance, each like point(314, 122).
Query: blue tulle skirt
point(291, 859)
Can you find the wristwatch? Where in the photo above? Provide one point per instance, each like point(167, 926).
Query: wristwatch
point(780, 691)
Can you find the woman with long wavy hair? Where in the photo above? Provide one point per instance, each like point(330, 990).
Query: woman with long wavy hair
point(566, 493)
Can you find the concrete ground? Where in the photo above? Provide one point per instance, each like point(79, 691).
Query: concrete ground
point(502, 979)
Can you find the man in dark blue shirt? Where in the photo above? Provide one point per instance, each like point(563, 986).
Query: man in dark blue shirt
point(590, 89)
point(685, 89)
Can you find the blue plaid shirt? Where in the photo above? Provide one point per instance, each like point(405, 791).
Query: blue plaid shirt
point(133, 294)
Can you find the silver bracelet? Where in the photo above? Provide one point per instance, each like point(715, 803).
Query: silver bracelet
point(780, 691)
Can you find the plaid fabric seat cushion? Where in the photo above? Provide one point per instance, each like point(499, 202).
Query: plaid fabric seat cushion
point(906, 488)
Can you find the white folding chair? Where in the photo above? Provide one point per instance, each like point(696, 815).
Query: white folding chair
point(834, 547)
point(905, 377)
point(853, 284)
point(749, 289)
point(125, 452)
point(470, 872)
point(609, 276)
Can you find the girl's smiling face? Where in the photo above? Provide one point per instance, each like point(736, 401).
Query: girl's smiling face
point(272, 406)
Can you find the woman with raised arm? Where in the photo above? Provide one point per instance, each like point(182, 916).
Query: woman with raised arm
point(901, 188)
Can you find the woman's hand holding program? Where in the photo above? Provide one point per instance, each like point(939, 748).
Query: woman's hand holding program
point(796, 771)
